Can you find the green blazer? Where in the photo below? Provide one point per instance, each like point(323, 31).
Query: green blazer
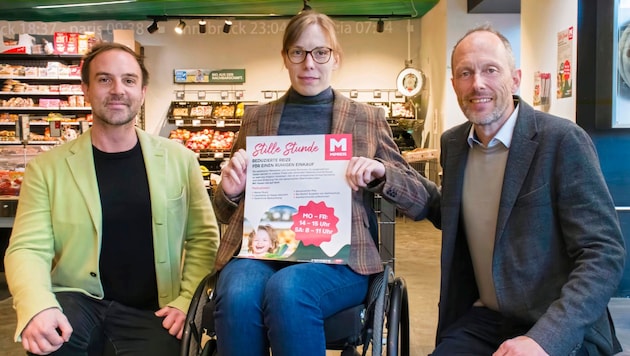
point(56, 239)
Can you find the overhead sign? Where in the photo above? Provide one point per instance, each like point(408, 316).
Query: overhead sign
point(207, 76)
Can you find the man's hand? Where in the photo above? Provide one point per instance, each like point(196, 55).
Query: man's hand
point(174, 320)
point(361, 171)
point(46, 332)
point(521, 345)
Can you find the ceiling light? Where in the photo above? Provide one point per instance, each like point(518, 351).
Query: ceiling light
point(306, 6)
point(380, 26)
point(202, 26)
point(227, 26)
point(180, 27)
point(83, 4)
point(153, 27)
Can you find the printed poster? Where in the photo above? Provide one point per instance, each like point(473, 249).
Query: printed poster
point(297, 199)
point(565, 63)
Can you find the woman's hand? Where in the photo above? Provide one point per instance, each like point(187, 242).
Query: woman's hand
point(234, 174)
point(361, 171)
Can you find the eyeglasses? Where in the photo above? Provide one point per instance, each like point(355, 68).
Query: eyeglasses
point(320, 55)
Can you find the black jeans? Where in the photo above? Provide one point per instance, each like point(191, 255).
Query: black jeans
point(480, 332)
point(99, 324)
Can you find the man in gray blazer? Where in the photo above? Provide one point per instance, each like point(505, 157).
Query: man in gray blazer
point(532, 250)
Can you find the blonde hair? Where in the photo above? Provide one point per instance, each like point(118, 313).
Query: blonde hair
point(271, 232)
point(303, 20)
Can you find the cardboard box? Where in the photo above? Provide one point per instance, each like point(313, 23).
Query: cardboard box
point(60, 42)
point(49, 103)
point(420, 154)
point(72, 47)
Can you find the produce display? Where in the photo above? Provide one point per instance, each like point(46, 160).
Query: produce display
point(205, 110)
point(205, 139)
point(10, 182)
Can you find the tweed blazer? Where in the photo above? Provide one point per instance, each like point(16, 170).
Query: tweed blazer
point(56, 238)
point(372, 138)
point(559, 252)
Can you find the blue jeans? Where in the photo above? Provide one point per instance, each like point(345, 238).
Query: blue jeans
point(262, 304)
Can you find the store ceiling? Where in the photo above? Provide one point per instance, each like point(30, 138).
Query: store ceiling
point(26, 10)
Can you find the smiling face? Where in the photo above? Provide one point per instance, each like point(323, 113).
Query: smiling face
point(484, 79)
point(261, 243)
point(310, 78)
point(115, 88)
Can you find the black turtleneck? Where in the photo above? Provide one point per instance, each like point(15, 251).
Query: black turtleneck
point(307, 115)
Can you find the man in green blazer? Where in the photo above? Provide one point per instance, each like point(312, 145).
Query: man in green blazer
point(114, 230)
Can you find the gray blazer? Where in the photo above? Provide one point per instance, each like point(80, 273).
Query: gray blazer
point(559, 253)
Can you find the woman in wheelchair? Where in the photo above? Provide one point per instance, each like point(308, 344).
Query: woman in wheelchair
point(279, 305)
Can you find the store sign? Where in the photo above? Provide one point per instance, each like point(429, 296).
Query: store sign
point(206, 76)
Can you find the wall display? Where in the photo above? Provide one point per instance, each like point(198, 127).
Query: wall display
point(208, 128)
point(622, 105)
point(613, 66)
point(565, 63)
point(37, 90)
point(206, 76)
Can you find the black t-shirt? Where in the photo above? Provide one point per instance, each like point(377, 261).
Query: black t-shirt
point(127, 260)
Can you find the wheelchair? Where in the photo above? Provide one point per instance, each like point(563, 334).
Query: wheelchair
point(380, 324)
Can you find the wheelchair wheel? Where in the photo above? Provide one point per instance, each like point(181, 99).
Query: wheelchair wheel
point(209, 348)
point(398, 319)
point(193, 332)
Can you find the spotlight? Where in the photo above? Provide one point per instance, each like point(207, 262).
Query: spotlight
point(306, 6)
point(227, 26)
point(180, 27)
point(202, 26)
point(153, 27)
point(380, 26)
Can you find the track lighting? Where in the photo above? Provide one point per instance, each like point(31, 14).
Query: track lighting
point(202, 26)
point(227, 26)
point(153, 27)
point(306, 6)
point(180, 27)
point(380, 26)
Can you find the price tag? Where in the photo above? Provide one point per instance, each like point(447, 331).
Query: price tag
point(24, 127)
point(196, 122)
point(218, 155)
point(179, 122)
point(55, 128)
point(220, 123)
point(84, 125)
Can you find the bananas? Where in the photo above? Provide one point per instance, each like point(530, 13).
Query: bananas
point(204, 171)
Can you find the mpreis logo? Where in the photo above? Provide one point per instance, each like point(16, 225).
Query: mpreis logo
point(338, 147)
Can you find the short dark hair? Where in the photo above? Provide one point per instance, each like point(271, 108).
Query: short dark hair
point(108, 46)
